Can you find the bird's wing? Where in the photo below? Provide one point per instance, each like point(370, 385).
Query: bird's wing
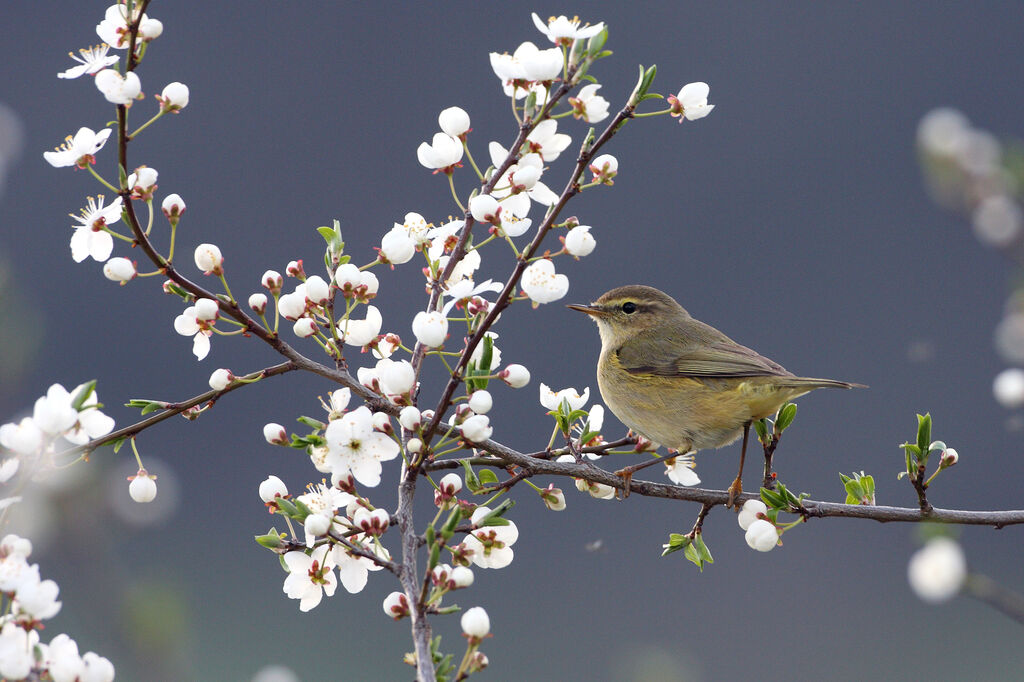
point(717, 360)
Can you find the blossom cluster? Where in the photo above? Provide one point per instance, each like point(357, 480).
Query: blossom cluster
point(29, 601)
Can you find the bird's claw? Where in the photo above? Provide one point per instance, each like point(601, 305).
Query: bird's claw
point(735, 490)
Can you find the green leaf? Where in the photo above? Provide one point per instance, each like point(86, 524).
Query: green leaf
point(271, 539)
point(311, 423)
point(702, 549)
point(785, 417)
point(83, 394)
point(487, 477)
point(494, 517)
point(472, 482)
point(286, 507)
point(596, 43)
point(924, 434)
point(430, 535)
point(435, 556)
point(118, 443)
point(303, 510)
point(676, 542)
point(761, 427)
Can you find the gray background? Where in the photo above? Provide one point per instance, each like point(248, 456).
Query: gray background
point(793, 218)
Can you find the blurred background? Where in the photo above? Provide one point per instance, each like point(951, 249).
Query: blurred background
point(800, 218)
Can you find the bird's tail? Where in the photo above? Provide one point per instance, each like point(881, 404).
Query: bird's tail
point(811, 383)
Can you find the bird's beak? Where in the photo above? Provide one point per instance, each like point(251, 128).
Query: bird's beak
point(592, 310)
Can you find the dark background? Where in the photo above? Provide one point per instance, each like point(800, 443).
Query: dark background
point(794, 218)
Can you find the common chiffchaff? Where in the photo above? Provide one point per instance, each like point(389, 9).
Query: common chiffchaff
point(683, 383)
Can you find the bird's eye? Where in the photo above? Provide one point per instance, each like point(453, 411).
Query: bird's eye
point(629, 307)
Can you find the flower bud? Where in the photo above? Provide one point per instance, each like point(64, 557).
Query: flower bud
point(119, 270)
point(481, 401)
point(142, 487)
point(553, 498)
point(475, 623)
point(275, 434)
point(258, 303)
point(207, 309)
point(762, 535)
point(579, 242)
point(382, 422)
point(396, 605)
point(749, 513)
point(415, 446)
point(477, 428)
point(221, 379)
point(461, 576)
point(173, 206)
point(272, 487)
point(174, 97)
point(317, 290)
point(485, 209)
point(315, 525)
point(516, 376)
point(294, 269)
point(304, 327)
point(430, 328)
point(398, 378)
point(209, 260)
point(396, 246)
point(454, 121)
point(409, 418)
point(292, 306)
point(272, 280)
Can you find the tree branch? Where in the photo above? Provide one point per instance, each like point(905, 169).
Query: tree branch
point(814, 508)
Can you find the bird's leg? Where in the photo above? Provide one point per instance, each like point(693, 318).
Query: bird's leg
point(626, 473)
point(737, 486)
point(769, 453)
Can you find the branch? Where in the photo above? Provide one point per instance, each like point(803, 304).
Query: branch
point(177, 408)
point(812, 508)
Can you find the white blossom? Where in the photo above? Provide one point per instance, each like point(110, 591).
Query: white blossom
point(484, 208)
point(762, 535)
point(396, 246)
point(553, 400)
point(563, 31)
point(588, 105)
point(542, 284)
point(692, 102)
point(680, 469)
point(579, 242)
point(547, 141)
point(361, 332)
point(118, 89)
point(90, 237)
point(443, 153)
point(78, 150)
point(454, 121)
point(430, 328)
point(750, 511)
point(477, 428)
point(491, 546)
point(119, 270)
point(353, 446)
point(23, 437)
point(93, 59)
point(310, 576)
point(114, 29)
point(258, 303)
point(481, 402)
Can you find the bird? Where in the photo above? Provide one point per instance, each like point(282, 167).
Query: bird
point(680, 382)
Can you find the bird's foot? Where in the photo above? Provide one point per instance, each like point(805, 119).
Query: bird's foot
point(735, 490)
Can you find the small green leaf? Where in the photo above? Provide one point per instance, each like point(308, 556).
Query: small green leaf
point(487, 477)
point(924, 434)
point(785, 417)
point(596, 43)
point(270, 540)
point(430, 535)
point(286, 507)
point(303, 510)
point(118, 443)
point(761, 427)
point(83, 394)
point(311, 423)
point(702, 549)
point(676, 542)
point(435, 556)
point(472, 482)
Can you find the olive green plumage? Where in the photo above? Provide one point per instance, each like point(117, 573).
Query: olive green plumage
point(681, 382)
